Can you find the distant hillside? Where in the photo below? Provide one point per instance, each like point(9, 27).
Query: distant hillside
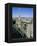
point(23, 18)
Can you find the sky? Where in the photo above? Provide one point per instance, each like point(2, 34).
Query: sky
point(22, 12)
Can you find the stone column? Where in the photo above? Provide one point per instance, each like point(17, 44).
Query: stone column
point(28, 30)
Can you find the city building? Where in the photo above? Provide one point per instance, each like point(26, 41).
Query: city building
point(25, 26)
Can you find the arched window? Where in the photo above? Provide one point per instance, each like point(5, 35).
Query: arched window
point(25, 26)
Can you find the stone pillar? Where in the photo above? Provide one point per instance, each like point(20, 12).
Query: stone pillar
point(32, 30)
point(28, 30)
